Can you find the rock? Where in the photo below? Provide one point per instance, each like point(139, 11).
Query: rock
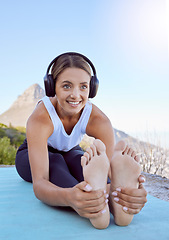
point(21, 109)
point(157, 186)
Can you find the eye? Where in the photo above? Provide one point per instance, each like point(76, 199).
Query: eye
point(84, 87)
point(66, 86)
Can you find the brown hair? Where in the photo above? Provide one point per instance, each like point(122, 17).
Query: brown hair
point(69, 61)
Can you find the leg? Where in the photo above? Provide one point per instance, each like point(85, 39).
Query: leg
point(95, 170)
point(22, 163)
point(59, 173)
point(125, 171)
point(73, 160)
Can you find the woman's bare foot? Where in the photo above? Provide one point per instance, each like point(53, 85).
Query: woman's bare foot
point(95, 170)
point(125, 171)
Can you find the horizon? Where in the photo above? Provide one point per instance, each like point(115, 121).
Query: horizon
point(127, 41)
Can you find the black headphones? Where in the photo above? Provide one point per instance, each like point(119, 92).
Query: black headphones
point(49, 81)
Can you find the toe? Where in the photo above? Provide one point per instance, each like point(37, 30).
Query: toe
point(84, 161)
point(100, 147)
point(133, 154)
point(137, 158)
point(93, 148)
point(87, 156)
point(90, 152)
point(130, 152)
point(120, 146)
point(126, 150)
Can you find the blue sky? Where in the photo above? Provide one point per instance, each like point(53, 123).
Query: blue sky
point(127, 40)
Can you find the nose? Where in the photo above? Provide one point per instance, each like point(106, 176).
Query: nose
point(75, 93)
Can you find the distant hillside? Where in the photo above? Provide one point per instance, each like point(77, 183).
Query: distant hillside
point(21, 109)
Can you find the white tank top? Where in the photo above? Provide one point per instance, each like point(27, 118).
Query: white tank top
point(59, 139)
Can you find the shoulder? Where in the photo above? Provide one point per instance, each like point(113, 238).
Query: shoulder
point(97, 116)
point(39, 121)
point(98, 122)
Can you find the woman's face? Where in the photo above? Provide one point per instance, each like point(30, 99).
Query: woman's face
point(72, 90)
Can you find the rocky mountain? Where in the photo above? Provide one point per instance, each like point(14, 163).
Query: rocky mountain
point(21, 109)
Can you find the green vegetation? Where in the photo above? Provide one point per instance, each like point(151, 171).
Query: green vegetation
point(10, 139)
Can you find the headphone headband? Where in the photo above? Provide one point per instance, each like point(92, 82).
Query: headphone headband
point(72, 54)
point(49, 81)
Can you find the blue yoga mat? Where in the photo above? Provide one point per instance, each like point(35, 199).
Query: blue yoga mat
point(22, 216)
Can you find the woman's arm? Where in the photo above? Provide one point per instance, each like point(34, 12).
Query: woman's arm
point(85, 202)
point(39, 128)
point(100, 127)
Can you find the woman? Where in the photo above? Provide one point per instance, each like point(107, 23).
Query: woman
point(62, 174)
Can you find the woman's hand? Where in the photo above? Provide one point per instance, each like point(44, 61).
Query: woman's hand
point(85, 202)
point(132, 200)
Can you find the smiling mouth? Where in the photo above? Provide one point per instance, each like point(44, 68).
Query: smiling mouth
point(74, 103)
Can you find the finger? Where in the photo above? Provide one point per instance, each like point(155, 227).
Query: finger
point(141, 187)
point(84, 186)
point(140, 192)
point(93, 195)
point(141, 179)
point(127, 201)
point(99, 197)
point(96, 215)
point(131, 208)
point(131, 211)
point(94, 203)
point(133, 199)
point(121, 198)
point(88, 195)
point(96, 208)
point(92, 215)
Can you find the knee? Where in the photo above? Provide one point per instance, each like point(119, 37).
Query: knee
point(55, 159)
point(22, 166)
point(56, 163)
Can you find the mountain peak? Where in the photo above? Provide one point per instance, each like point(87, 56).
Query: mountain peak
point(22, 108)
point(30, 96)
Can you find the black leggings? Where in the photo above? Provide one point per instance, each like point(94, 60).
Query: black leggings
point(64, 167)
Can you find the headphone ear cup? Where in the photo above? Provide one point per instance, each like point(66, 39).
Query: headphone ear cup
point(49, 85)
point(94, 84)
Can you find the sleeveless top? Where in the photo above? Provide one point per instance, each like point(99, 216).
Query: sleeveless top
point(59, 139)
